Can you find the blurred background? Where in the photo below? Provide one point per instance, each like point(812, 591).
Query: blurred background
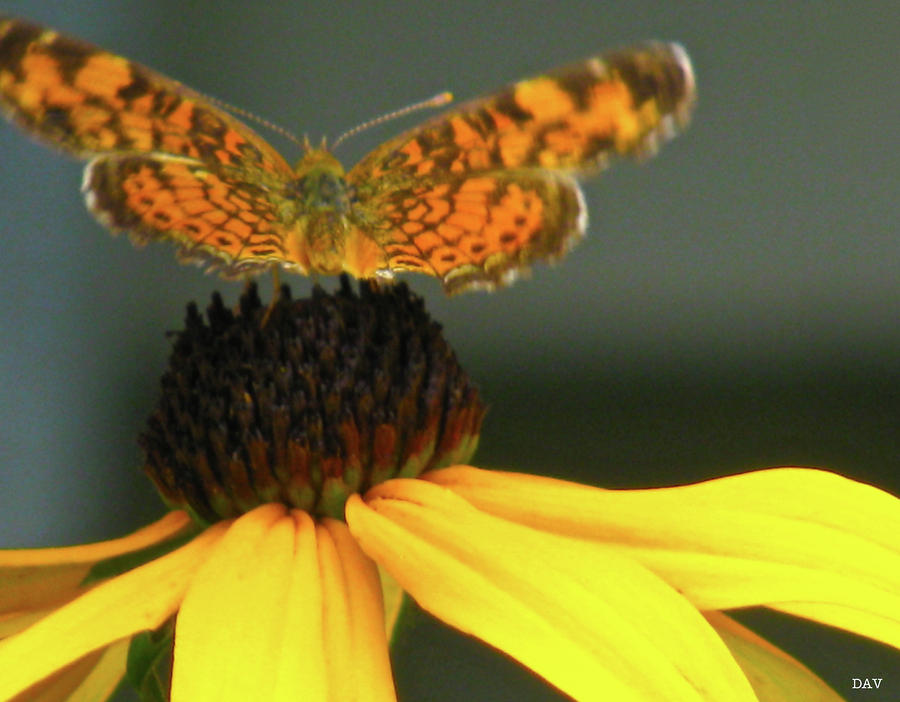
point(733, 307)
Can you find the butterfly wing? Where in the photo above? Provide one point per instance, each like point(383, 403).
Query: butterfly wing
point(127, 119)
point(217, 217)
point(480, 230)
point(536, 133)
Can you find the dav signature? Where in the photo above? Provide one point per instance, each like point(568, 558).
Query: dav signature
point(866, 683)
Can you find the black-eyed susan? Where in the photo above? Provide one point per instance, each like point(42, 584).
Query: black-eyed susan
point(310, 452)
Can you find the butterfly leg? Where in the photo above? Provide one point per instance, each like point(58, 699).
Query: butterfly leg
point(276, 295)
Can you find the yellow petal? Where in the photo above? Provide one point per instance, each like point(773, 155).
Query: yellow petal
point(140, 599)
point(89, 679)
point(356, 643)
point(301, 668)
point(393, 601)
point(336, 620)
point(863, 617)
point(775, 675)
point(105, 676)
point(590, 621)
point(802, 541)
point(58, 686)
point(283, 610)
point(230, 626)
point(15, 622)
point(33, 578)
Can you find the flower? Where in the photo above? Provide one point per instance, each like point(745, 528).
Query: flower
point(270, 589)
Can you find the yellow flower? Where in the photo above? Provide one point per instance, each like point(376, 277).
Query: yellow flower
point(606, 594)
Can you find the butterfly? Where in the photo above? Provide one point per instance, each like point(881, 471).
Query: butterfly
point(472, 196)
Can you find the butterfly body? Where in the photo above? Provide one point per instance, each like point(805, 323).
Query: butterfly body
point(472, 196)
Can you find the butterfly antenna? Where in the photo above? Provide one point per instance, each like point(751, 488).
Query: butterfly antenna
point(255, 118)
point(438, 100)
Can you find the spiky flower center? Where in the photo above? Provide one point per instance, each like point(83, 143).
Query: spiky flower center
point(307, 403)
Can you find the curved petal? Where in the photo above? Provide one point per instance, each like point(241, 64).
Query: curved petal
point(57, 687)
point(775, 676)
point(579, 614)
point(304, 630)
point(164, 528)
point(393, 595)
point(229, 629)
point(861, 617)
point(140, 599)
point(15, 622)
point(89, 679)
point(283, 610)
point(32, 578)
point(803, 541)
point(356, 643)
point(105, 676)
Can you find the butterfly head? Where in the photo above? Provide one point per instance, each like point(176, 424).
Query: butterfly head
point(319, 182)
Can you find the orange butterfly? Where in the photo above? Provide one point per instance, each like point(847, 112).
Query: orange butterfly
point(471, 196)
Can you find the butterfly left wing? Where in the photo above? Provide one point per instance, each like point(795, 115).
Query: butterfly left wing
point(539, 131)
point(216, 217)
point(166, 164)
point(87, 101)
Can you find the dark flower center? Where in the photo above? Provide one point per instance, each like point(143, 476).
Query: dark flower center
point(322, 398)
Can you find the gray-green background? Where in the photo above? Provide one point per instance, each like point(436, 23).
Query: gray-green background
point(733, 307)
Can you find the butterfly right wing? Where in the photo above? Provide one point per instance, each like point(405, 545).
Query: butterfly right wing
point(478, 193)
point(572, 119)
point(477, 231)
